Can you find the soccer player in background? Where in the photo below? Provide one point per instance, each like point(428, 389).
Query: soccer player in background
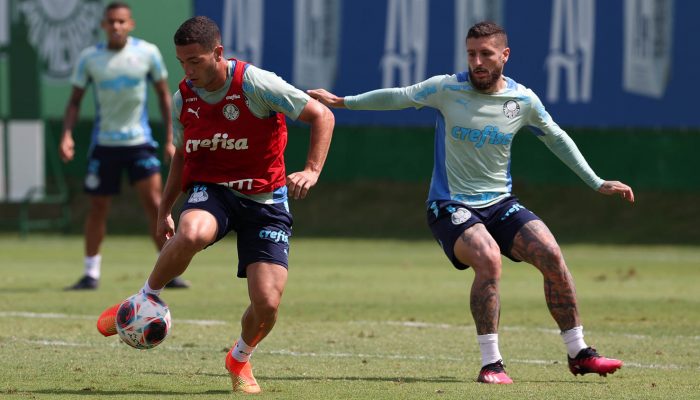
point(120, 70)
point(230, 134)
point(470, 208)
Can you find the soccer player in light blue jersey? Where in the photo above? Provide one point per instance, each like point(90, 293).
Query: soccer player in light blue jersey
point(119, 70)
point(471, 210)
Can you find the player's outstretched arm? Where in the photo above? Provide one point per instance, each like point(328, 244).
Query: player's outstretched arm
point(619, 188)
point(322, 122)
point(327, 98)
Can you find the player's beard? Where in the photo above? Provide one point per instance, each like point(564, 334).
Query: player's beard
point(487, 84)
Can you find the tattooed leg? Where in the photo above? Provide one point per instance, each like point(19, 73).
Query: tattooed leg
point(535, 244)
point(479, 250)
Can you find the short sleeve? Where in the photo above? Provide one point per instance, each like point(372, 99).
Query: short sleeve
point(270, 93)
point(81, 74)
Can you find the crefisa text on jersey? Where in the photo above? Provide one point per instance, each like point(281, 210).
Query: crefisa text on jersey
point(218, 141)
point(480, 137)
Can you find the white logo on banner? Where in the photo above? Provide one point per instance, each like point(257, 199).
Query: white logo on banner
point(406, 42)
point(648, 44)
point(60, 30)
point(242, 30)
point(571, 49)
point(468, 13)
point(4, 23)
point(316, 42)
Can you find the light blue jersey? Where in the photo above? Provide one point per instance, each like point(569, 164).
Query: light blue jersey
point(120, 81)
point(474, 134)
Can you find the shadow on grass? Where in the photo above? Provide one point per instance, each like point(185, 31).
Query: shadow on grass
point(117, 393)
point(91, 391)
point(396, 379)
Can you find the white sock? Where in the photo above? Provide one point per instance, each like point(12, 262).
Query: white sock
point(93, 265)
point(573, 339)
point(148, 290)
point(488, 344)
point(242, 352)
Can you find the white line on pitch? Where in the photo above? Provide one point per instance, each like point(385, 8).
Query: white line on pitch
point(23, 314)
point(408, 324)
point(416, 324)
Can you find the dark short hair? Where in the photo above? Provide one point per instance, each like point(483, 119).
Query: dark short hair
point(486, 29)
point(115, 5)
point(201, 30)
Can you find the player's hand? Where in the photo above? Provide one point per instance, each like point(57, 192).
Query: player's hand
point(66, 150)
point(168, 152)
point(299, 183)
point(616, 187)
point(327, 98)
point(166, 227)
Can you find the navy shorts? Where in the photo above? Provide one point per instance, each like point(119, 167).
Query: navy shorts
point(107, 164)
point(263, 230)
point(448, 219)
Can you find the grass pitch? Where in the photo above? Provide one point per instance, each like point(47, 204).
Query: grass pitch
point(360, 319)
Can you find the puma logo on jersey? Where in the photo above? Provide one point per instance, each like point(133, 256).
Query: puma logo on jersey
point(196, 113)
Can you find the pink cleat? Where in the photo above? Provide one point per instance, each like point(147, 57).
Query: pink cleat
point(494, 373)
point(589, 361)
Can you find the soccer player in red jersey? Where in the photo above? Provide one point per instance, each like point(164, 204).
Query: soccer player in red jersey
point(230, 134)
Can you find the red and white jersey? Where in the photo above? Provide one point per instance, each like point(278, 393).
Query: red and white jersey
point(224, 143)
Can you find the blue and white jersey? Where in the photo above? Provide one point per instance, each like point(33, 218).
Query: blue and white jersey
point(474, 134)
point(120, 79)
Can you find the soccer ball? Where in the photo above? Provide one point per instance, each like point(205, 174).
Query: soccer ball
point(143, 321)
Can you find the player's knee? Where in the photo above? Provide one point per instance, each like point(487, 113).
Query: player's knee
point(551, 254)
point(488, 265)
point(266, 307)
point(191, 240)
point(99, 209)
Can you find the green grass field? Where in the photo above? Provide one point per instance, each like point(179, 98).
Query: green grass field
point(361, 319)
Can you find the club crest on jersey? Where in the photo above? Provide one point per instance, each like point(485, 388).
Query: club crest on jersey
point(511, 109)
point(460, 216)
point(231, 112)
